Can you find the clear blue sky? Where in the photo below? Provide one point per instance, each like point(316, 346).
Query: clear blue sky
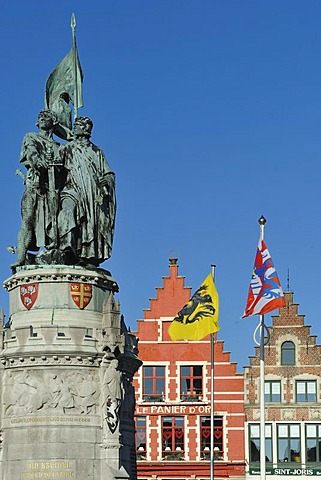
point(210, 114)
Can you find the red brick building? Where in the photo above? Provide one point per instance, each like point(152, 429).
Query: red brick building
point(173, 394)
point(292, 400)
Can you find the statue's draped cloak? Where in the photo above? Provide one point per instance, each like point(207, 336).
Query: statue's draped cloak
point(93, 216)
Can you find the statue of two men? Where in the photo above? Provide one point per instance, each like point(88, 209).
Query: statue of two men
point(69, 203)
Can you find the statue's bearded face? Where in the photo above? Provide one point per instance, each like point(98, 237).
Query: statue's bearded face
point(83, 126)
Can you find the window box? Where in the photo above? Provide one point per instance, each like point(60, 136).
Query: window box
point(154, 398)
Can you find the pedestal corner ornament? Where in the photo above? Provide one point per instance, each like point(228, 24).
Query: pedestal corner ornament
point(81, 293)
point(29, 294)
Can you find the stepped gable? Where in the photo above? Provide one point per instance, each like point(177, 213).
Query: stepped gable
point(288, 315)
point(289, 325)
point(171, 297)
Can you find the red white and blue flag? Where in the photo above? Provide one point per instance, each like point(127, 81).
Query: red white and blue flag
point(265, 291)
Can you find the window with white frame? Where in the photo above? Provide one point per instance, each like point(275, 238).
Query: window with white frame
point(191, 382)
point(153, 383)
point(254, 442)
point(272, 391)
point(306, 390)
point(173, 438)
point(313, 442)
point(288, 353)
point(140, 424)
point(288, 443)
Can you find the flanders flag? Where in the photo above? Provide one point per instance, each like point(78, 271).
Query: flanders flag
point(199, 317)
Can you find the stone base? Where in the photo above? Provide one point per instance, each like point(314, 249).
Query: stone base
point(63, 323)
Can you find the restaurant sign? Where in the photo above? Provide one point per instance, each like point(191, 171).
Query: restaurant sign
point(288, 471)
point(173, 409)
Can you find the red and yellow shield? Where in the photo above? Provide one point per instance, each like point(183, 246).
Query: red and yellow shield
point(28, 294)
point(81, 294)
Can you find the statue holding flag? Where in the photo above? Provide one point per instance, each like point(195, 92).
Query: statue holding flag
point(64, 85)
point(68, 208)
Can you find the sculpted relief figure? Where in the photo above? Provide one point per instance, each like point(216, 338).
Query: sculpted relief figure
point(69, 204)
point(111, 393)
point(50, 392)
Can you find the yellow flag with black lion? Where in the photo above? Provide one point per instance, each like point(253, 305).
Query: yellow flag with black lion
point(199, 317)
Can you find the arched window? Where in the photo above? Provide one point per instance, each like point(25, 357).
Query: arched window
point(288, 353)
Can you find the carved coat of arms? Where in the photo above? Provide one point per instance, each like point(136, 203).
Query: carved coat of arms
point(81, 294)
point(28, 294)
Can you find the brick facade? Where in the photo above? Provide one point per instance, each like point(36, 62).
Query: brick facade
point(173, 394)
point(292, 399)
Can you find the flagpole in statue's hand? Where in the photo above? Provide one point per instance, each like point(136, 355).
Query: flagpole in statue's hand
point(73, 29)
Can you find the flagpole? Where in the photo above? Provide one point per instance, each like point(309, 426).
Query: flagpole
point(265, 295)
point(262, 222)
point(73, 29)
point(213, 337)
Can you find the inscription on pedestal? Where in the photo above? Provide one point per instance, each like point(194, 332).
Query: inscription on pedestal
point(51, 469)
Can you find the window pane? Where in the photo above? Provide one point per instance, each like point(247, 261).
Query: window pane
point(141, 421)
point(167, 421)
point(276, 387)
point(197, 385)
point(311, 430)
point(283, 450)
point(255, 450)
point(295, 451)
point(197, 370)
point(311, 387)
point(283, 431)
point(255, 431)
point(185, 371)
point(148, 371)
point(160, 371)
point(206, 421)
point(300, 387)
point(295, 431)
point(311, 450)
point(148, 386)
point(179, 421)
point(185, 385)
point(160, 386)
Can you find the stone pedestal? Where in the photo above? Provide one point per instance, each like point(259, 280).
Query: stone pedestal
point(61, 415)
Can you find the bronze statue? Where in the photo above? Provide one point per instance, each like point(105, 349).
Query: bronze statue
point(87, 215)
point(69, 204)
point(37, 151)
